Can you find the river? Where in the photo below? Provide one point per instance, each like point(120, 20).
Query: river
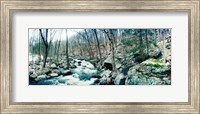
point(83, 74)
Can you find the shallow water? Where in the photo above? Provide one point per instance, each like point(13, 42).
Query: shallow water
point(81, 75)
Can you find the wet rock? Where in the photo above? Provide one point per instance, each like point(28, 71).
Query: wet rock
point(56, 71)
point(103, 81)
point(114, 75)
point(33, 75)
point(120, 80)
point(62, 79)
point(61, 66)
point(75, 75)
point(31, 71)
point(118, 64)
point(66, 72)
point(43, 71)
point(96, 76)
point(53, 74)
point(53, 66)
point(96, 82)
point(73, 66)
point(85, 76)
point(79, 63)
point(41, 77)
point(49, 82)
point(106, 73)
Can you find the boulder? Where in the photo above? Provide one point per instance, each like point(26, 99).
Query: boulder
point(43, 71)
point(108, 63)
point(61, 79)
point(66, 72)
point(103, 81)
point(73, 66)
point(75, 75)
point(118, 64)
point(41, 77)
point(149, 72)
point(114, 75)
point(167, 81)
point(96, 82)
point(79, 63)
point(53, 66)
point(56, 71)
point(33, 75)
point(155, 53)
point(61, 66)
point(168, 59)
point(155, 81)
point(53, 74)
point(106, 73)
point(84, 76)
point(120, 80)
point(31, 71)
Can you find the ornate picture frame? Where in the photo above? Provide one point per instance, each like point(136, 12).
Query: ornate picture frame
point(8, 7)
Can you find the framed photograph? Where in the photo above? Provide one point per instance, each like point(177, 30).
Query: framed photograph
point(99, 56)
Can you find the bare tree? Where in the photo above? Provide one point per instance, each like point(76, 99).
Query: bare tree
point(98, 44)
point(58, 49)
point(45, 41)
point(86, 38)
point(110, 36)
point(147, 43)
point(67, 51)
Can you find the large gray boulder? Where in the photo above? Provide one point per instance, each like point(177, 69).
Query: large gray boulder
point(149, 72)
point(53, 74)
point(108, 63)
point(43, 71)
point(53, 66)
point(106, 73)
point(66, 72)
point(120, 79)
point(40, 77)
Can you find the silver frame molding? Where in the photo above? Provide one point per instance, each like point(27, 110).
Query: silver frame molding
point(8, 7)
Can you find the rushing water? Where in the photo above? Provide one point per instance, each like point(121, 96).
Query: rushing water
point(83, 74)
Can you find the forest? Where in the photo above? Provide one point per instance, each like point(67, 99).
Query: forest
point(93, 56)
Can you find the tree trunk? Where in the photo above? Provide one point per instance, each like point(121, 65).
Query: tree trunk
point(45, 41)
point(55, 49)
point(58, 49)
point(111, 38)
point(163, 37)
point(90, 47)
point(113, 50)
point(67, 51)
point(141, 44)
point(45, 57)
point(98, 44)
point(39, 49)
point(147, 43)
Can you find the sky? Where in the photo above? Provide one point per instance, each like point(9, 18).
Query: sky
point(70, 33)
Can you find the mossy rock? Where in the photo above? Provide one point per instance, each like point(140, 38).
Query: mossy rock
point(43, 71)
point(154, 63)
point(56, 71)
